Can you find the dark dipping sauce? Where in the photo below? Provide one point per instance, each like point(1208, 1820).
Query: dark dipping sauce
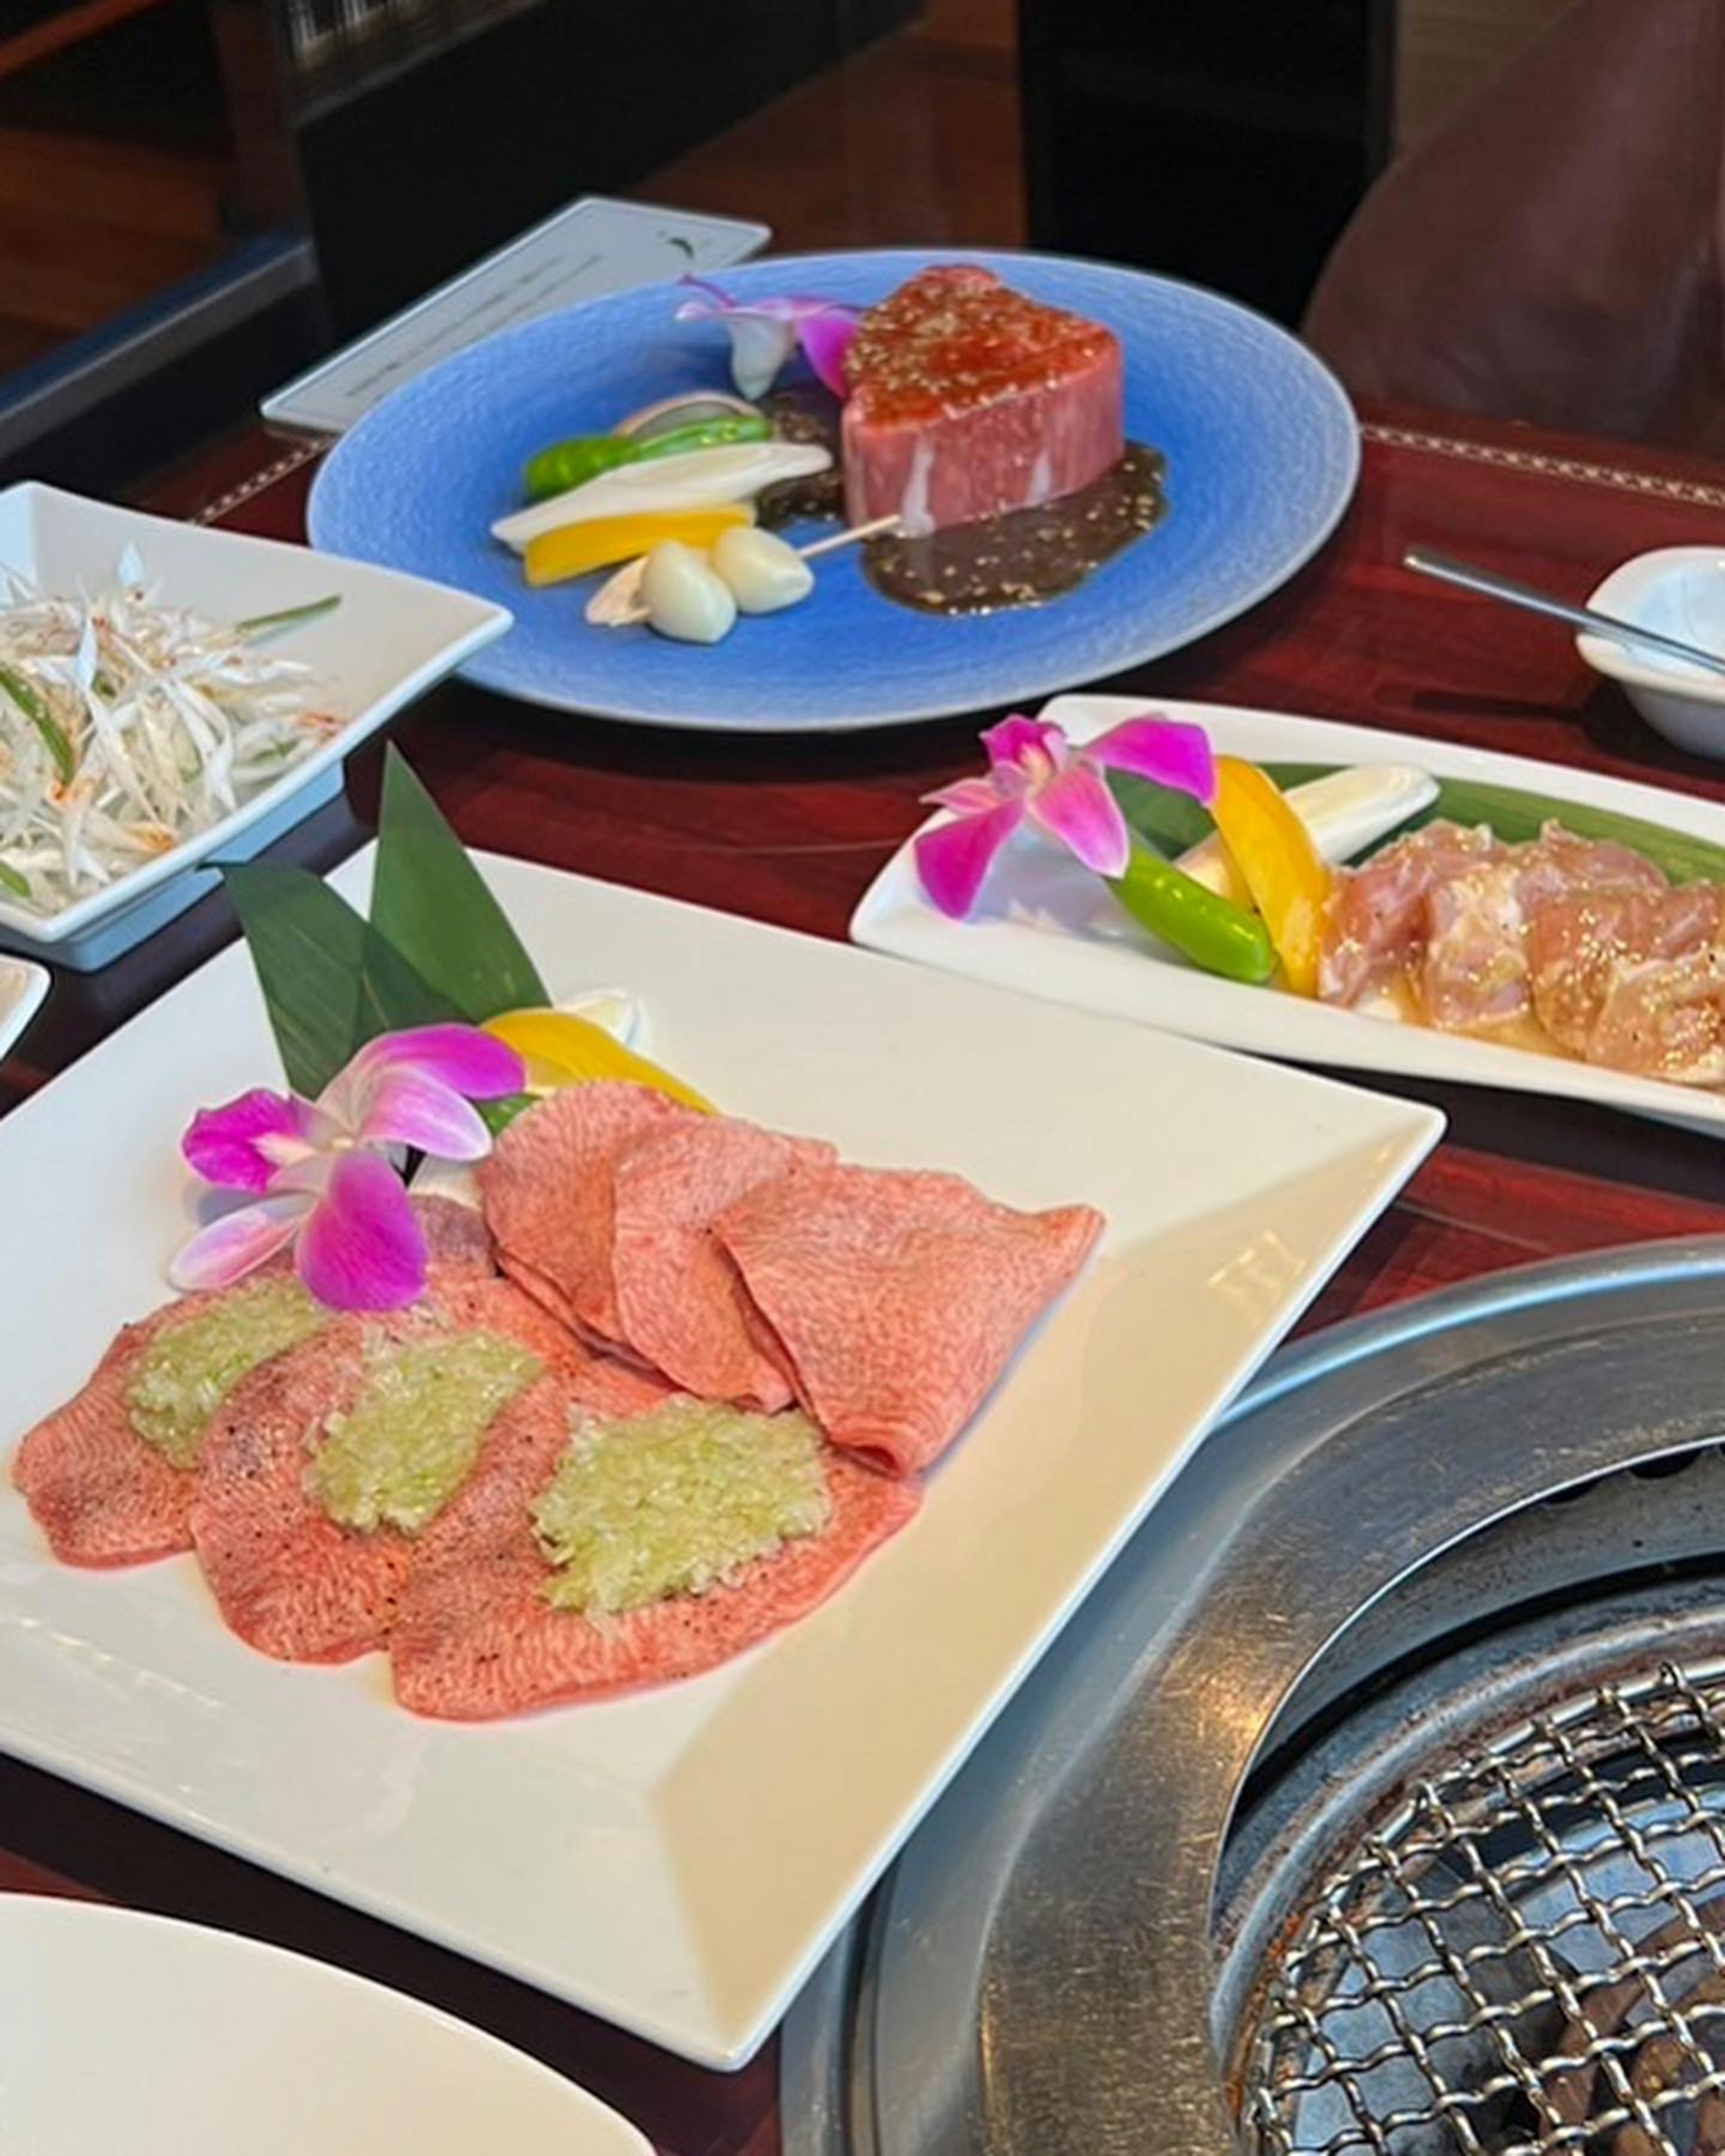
point(1029, 556)
point(1025, 558)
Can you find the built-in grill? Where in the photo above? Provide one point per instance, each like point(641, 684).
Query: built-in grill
point(1376, 1802)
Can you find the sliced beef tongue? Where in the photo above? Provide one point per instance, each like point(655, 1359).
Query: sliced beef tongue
point(548, 1196)
point(289, 1579)
point(969, 399)
point(899, 1297)
point(100, 1492)
point(680, 1301)
point(477, 1638)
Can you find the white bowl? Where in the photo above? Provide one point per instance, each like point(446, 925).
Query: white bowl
point(123, 2031)
point(1680, 591)
point(391, 637)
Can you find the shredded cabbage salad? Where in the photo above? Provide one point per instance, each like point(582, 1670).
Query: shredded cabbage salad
point(128, 726)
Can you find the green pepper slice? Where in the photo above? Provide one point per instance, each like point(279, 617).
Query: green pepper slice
point(1212, 932)
point(573, 463)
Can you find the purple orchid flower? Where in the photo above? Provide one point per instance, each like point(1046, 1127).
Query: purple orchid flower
point(1036, 775)
point(764, 333)
point(322, 1181)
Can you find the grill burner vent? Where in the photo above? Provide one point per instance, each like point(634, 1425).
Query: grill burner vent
point(1528, 1956)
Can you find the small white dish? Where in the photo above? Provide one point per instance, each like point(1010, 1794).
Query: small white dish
point(1680, 591)
point(1047, 927)
point(391, 637)
point(122, 2030)
point(23, 985)
point(678, 1860)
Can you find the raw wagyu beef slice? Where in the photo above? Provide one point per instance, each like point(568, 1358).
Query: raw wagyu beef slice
point(681, 1304)
point(899, 1297)
point(290, 1579)
point(968, 399)
point(546, 1190)
point(477, 1638)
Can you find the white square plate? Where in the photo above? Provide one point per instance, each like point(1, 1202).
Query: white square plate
point(391, 637)
point(1048, 929)
point(677, 1861)
point(22, 988)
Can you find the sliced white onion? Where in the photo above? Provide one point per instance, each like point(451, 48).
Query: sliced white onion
point(700, 479)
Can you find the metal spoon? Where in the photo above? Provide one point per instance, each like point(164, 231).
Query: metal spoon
point(1494, 587)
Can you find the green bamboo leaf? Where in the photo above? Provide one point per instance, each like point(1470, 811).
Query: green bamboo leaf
point(54, 734)
point(430, 903)
point(330, 982)
point(1160, 818)
point(1172, 822)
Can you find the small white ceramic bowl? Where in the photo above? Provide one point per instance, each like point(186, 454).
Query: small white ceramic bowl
point(1680, 592)
point(391, 637)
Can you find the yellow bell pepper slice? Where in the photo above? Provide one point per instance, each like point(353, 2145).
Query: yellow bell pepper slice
point(575, 550)
point(1281, 868)
point(560, 1049)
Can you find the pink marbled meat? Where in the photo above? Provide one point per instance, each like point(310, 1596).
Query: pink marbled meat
point(289, 1580)
point(101, 1493)
point(476, 1638)
point(968, 399)
point(899, 1297)
point(682, 1305)
point(546, 1189)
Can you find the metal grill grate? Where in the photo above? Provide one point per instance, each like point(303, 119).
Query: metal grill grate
point(1528, 1956)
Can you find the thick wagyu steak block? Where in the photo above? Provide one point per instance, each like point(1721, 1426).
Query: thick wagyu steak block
point(968, 399)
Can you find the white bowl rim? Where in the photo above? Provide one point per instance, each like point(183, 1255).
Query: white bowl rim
point(1618, 594)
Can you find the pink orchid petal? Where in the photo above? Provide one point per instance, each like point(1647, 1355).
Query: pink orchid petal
point(230, 1248)
point(460, 1057)
point(826, 339)
point(1167, 750)
point(1076, 807)
point(1019, 744)
point(402, 1107)
point(967, 796)
point(363, 1248)
point(954, 859)
point(241, 1144)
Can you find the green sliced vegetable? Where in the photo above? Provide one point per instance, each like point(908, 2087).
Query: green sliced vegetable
point(259, 628)
point(330, 982)
point(11, 881)
point(571, 463)
point(37, 712)
point(433, 906)
point(1172, 822)
point(1212, 932)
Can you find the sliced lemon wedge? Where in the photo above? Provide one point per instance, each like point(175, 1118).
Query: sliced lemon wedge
point(560, 1049)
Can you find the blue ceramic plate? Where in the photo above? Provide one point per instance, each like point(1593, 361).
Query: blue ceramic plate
point(1262, 445)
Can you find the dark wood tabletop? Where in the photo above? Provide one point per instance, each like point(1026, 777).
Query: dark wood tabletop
point(791, 830)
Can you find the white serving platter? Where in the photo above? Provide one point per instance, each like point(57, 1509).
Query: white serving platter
point(677, 1861)
point(119, 2030)
point(22, 986)
point(1048, 929)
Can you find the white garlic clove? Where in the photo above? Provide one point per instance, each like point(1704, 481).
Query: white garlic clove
point(684, 597)
point(764, 573)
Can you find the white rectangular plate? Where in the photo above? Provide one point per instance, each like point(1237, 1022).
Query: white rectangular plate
point(22, 988)
point(1048, 929)
point(592, 247)
point(677, 1861)
point(390, 639)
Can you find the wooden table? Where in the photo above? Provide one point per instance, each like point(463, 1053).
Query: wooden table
point(791, 831)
